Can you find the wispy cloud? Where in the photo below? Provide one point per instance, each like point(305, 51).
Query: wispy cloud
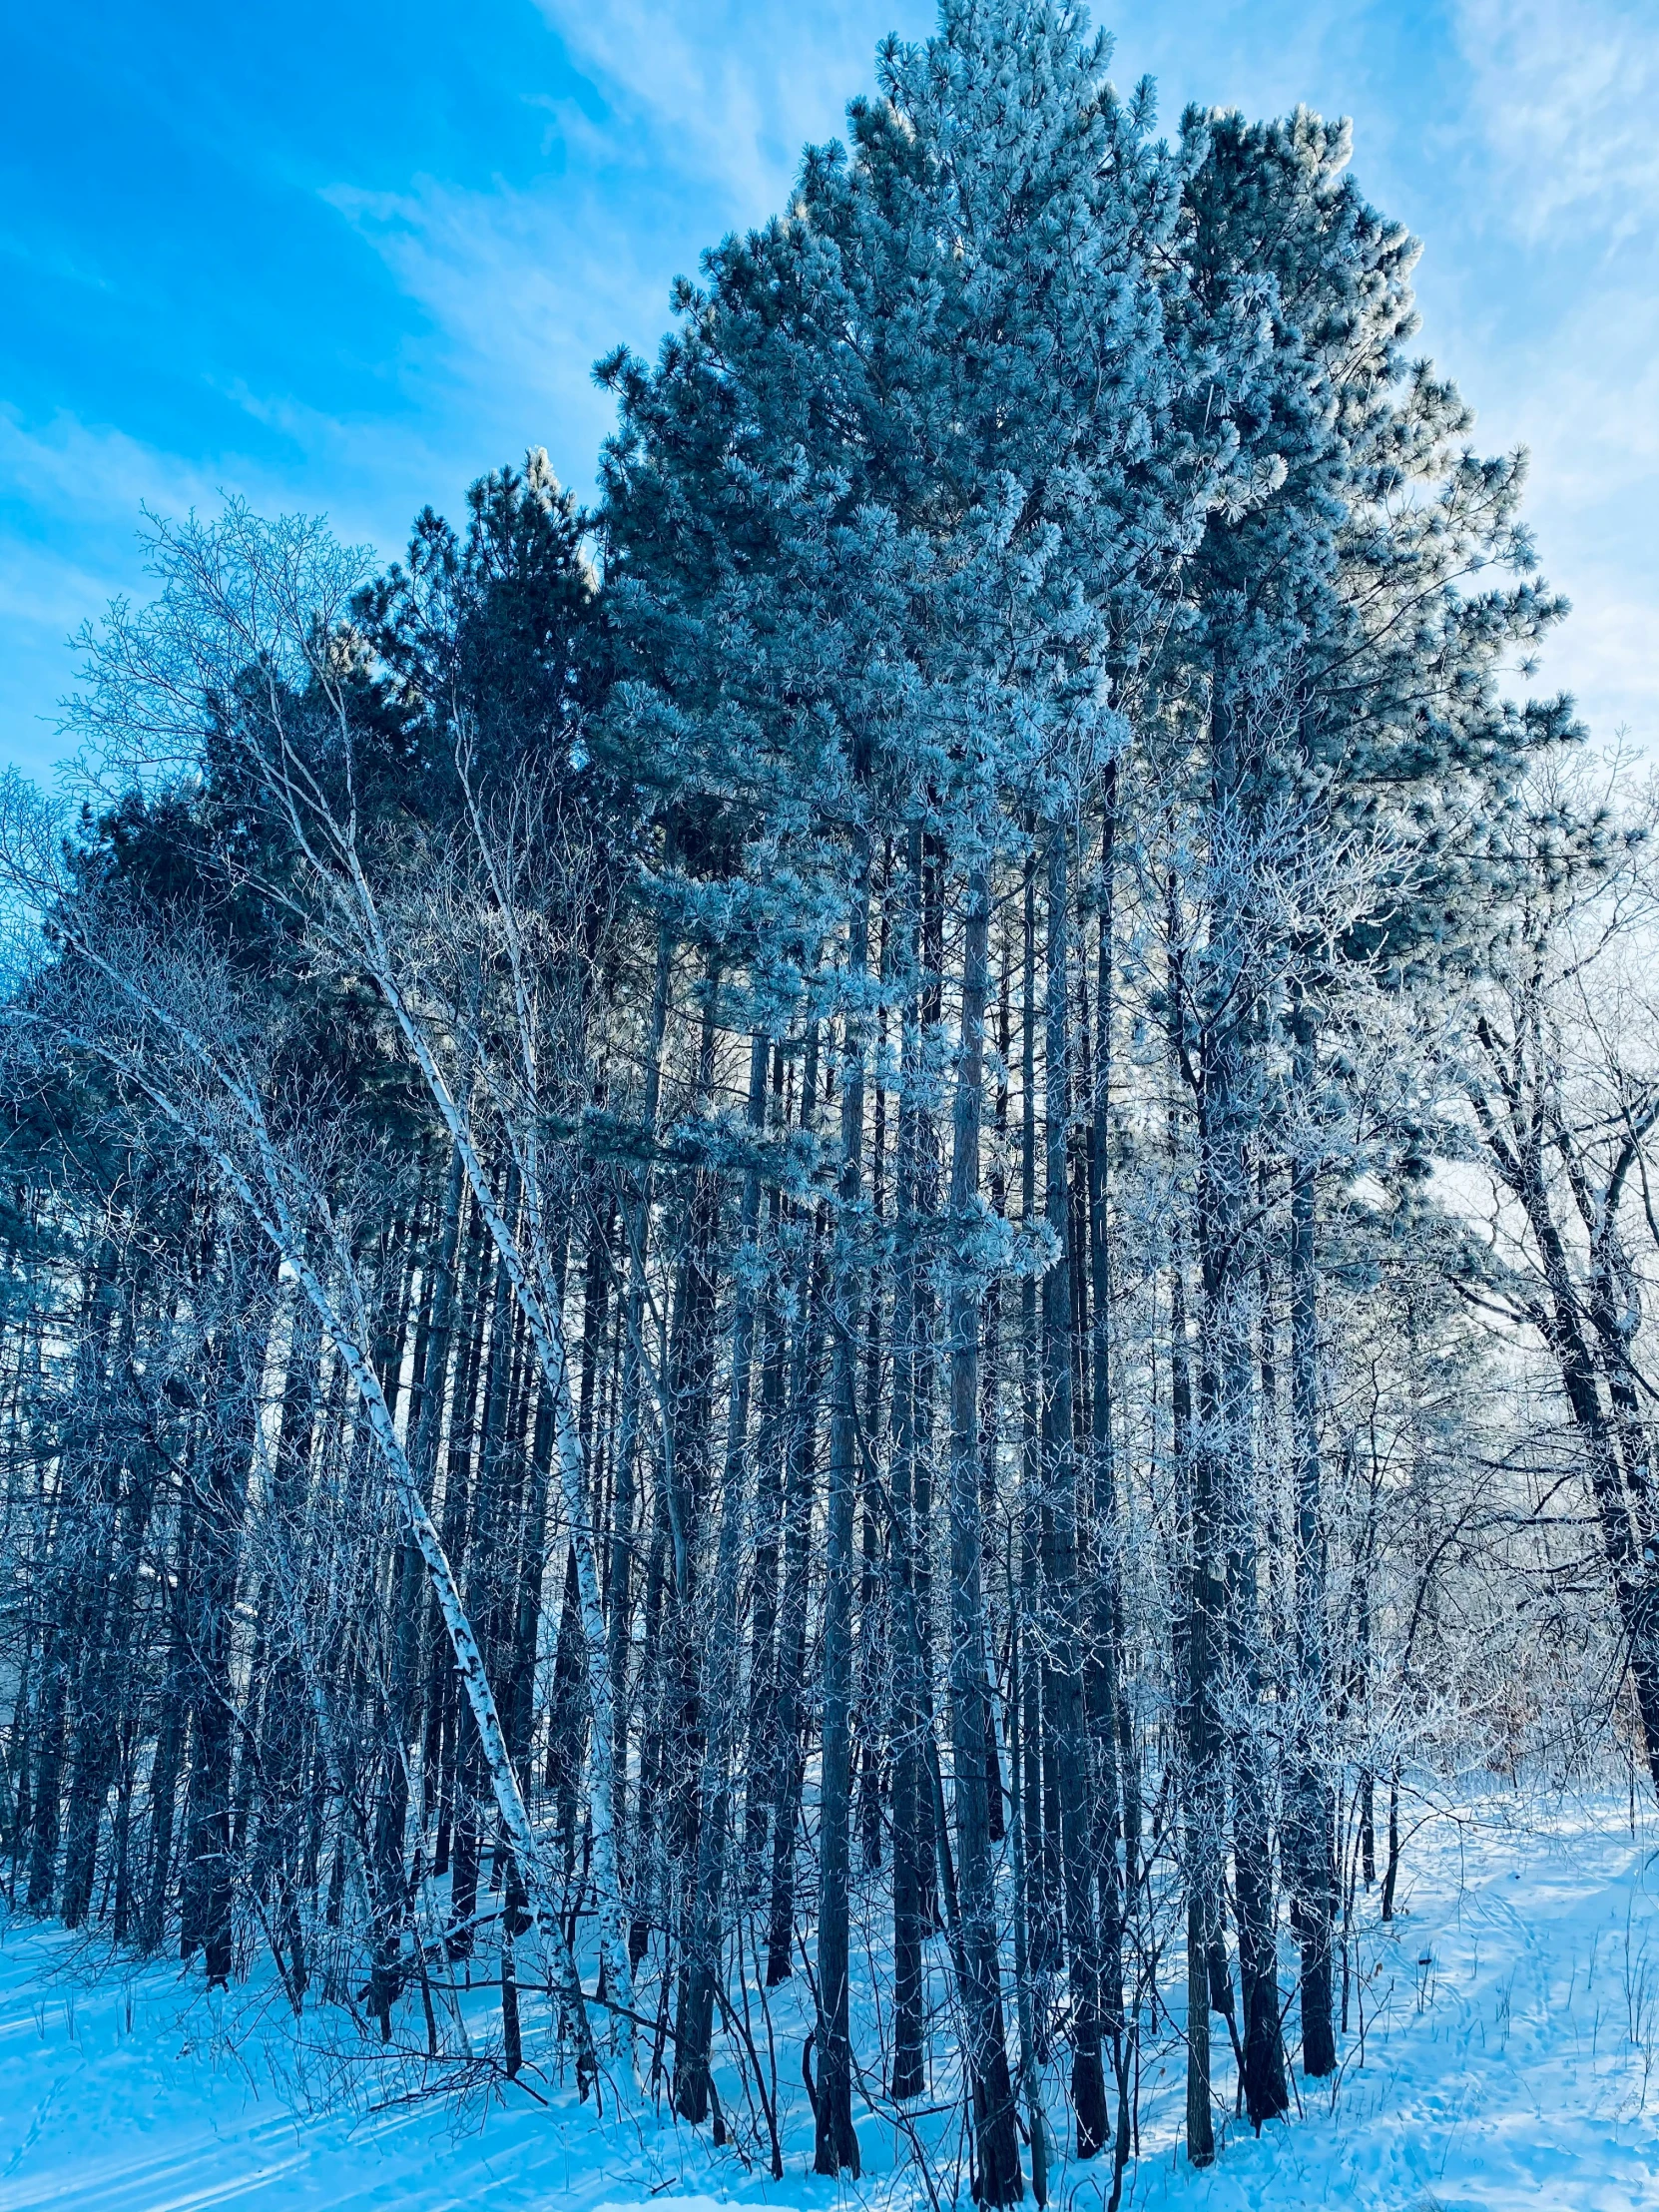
point(45, 595)
point(1561, 97)
point(1602, 656)
point(94, 481)
point(1565, 91)
point(706, 108)
point(526, 291)
point(66, 467)
point(1584, 398)
point(735, 90)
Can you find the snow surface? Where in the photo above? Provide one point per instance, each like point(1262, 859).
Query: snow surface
point(1511, 2027)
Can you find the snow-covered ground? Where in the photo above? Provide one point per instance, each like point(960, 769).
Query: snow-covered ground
point(1512, 2022)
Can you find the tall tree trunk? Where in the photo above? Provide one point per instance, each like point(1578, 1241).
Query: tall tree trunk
point(646, 1858)
point(443, 1691)
point(171, 1726)
point(875, 1655)
point(1029, 2067)
point(402, 1705)
point(1230, 1107)
point(999, 2179)
point(228, 1458)
point(1038, 1900)
point(806, 1382)
point(910, 1773)
point(691, 1361)
point(1196, 1663)
point(484, 1567)
point(1066, 1721)
point(836, 2143)
point(701, 1964)
point(103, 1706)
point(770, 1465)
point(1118, 1810)
point(1314, 1815)
point(935, 1842)
point(636, 1225)
point(72, 1592)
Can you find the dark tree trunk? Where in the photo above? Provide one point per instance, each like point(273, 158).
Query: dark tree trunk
point(443, 1703)
point(1029, 2062)
point(636, 1218)
point(169, 1737)
point(837, 2146)
point(652, 1690)
point(227, 1458)
point(1117, 1813)
point(484, 1566)
point(704, 1933)
point(911, 1844)
point(806, 1382)
point(1314, 1815)
point(1038, 1901)
point(1230, 1081)
point(431, 1366)
point(771, 1464)
point(1000, 2178)
point(1066, 1721)
point(1196, 1663)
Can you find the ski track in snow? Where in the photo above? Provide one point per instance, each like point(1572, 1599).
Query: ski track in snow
point(1511, 2032)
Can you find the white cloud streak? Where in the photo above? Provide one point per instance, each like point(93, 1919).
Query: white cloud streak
point(735, 91)
point(1561, 98)
point(69, 467)
point(1565, 91)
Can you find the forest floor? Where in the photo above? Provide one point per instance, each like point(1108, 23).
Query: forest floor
point(1511, 2027)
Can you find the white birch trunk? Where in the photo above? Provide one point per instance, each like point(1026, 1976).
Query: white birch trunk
point(275, 1218)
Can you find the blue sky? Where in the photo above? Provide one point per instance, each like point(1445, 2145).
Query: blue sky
point(345, 256)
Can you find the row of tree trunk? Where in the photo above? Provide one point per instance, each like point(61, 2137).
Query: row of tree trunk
point(916, 1552)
